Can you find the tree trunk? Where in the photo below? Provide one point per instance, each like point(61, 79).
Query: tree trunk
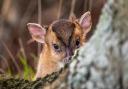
point(103, 62)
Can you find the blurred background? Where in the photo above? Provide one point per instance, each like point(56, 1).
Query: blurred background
point(18, 53)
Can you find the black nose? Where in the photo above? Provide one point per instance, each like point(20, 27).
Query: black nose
point(69, 52)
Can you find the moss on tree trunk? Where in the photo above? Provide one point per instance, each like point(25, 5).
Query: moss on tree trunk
point(13, 83)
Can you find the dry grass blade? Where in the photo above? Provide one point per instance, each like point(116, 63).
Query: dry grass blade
point(5, 61)
point(90, 5)
point(60, 7)
point(26, 16)
point(72, 8)
point(39, 21)
point(22, 48)
point(11, 56)
point(39, 11)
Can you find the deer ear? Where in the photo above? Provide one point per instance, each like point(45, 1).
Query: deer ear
point(85, 22)
point(37, 32)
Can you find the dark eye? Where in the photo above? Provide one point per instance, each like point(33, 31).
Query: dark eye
point(56, 47)
point(77, 43)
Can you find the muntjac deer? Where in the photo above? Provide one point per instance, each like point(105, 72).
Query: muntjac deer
point(60, 40)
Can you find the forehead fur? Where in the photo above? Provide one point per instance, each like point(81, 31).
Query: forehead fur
point(63, 30)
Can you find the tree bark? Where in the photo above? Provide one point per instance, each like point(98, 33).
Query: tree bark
point(103, 62)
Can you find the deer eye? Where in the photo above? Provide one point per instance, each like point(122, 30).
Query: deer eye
point(77, 43)
point(56, 47)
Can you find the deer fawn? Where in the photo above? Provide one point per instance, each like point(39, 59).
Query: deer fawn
point(60, 40)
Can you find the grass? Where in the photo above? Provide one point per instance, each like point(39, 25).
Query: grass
point(27, 72)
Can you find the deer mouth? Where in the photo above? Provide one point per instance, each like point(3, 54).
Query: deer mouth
point(64, 61)
point(67, 60)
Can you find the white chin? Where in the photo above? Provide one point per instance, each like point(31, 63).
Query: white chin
point(66, 60)
point(61, 64)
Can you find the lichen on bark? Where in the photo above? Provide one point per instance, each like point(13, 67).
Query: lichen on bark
point(102, 62)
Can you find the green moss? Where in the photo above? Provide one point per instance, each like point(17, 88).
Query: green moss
point(13, 83)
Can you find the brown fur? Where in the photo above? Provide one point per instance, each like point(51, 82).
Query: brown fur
point(65, 34)
point(63, 30)
point(60, 41)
